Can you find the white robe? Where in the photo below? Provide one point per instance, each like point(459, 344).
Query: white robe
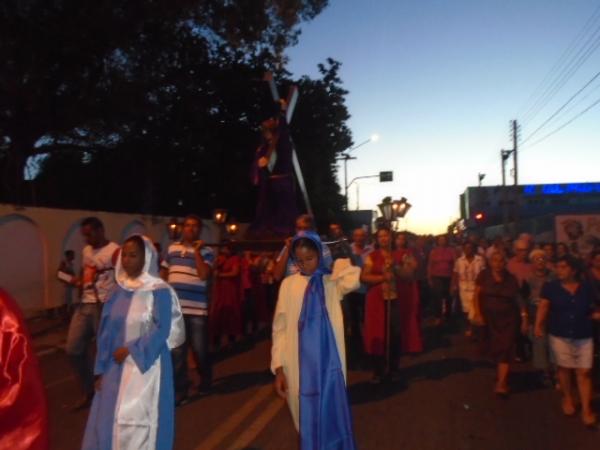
point(135, 400)
point(284, 352)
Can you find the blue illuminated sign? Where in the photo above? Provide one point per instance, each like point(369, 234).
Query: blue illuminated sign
point(561, 189)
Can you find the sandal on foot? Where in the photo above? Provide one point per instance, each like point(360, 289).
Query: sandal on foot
point(568, 410)
point(589, 420)
point(502, 391)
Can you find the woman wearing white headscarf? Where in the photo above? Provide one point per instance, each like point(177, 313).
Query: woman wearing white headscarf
point(134, 406)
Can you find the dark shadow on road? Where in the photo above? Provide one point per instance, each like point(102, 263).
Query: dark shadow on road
point(437, 337)
point(235, 383)
point(521, 382)
point(245, 345)
point(241, 381)
point(430, 370)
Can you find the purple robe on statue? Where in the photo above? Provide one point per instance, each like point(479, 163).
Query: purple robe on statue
point(276, 208)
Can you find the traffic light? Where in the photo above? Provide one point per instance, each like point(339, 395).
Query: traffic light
point(479, 217)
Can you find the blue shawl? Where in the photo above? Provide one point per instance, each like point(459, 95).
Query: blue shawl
point(325, 419)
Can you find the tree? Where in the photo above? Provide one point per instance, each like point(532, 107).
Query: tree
point(162, 115)
point(73, 73)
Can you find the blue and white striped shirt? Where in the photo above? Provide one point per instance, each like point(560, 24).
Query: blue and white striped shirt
point(183, 276)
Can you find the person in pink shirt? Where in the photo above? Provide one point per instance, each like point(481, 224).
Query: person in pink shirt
point(439, 274)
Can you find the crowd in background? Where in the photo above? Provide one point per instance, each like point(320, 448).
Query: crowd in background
point(435, 277)
point(519, 299)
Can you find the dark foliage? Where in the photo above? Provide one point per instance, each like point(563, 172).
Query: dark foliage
point(153, 106)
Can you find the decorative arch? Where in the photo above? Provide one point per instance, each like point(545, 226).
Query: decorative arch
point(73, 240)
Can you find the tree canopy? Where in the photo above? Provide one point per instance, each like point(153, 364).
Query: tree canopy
point(153, 106)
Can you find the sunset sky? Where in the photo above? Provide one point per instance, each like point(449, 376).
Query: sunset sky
point(439, 81)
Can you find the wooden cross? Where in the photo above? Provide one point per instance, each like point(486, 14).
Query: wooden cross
point(291, 105)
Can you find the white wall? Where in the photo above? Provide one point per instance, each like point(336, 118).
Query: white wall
point(33, 240)
point(23, 260)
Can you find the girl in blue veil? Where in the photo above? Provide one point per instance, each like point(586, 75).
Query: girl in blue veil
point(308, 355)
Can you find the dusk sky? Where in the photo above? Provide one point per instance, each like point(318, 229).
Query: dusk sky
point(439, 81)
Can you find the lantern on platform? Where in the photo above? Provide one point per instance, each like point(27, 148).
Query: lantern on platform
point(173, 228)
point(220, 216)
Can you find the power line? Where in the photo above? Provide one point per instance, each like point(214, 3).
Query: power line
point(562, 62)
point(564, 105)
point(581, 113)
point(567, 73)
point(576, 104)
point(558, 63)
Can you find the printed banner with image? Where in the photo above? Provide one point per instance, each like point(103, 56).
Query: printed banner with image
point(581, 233)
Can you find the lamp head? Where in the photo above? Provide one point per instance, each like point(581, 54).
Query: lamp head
point(220, 216)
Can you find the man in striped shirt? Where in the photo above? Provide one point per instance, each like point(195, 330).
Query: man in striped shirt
point(187, 267)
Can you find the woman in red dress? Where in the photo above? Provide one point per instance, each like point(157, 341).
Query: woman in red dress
point(226, 313)
point(408, 297)
point(378, 274)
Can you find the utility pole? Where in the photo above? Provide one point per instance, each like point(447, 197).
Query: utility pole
point(515, 130)
point(515, 194)
point(504, 155)
point(510, 196)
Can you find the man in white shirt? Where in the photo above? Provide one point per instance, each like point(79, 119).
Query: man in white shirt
point(96, 282)
point(466, 270)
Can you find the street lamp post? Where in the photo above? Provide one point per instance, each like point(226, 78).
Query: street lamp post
point(391, 210)
point(345, 156)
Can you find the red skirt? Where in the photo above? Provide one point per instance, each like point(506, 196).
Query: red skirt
point(410, 317)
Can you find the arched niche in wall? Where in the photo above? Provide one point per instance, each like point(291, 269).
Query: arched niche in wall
point(23, 262)
point(73, 240)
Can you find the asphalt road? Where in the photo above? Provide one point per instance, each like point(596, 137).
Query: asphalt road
point(442, 400)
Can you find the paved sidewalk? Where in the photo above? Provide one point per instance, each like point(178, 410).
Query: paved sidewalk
point(48, 333)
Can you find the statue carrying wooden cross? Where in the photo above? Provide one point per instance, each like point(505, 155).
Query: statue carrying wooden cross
point(274, 167)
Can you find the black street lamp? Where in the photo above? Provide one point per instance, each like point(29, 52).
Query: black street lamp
point(392, 210)
point(387, 209)
point(400, 207)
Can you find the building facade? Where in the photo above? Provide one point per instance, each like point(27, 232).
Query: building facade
point(528, 208)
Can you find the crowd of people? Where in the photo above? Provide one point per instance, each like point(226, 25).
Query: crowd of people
point(333, 302)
